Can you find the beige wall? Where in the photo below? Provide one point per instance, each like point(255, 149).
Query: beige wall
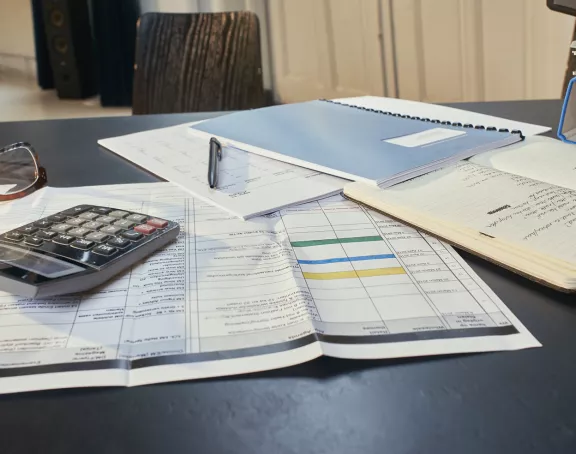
point(16, 29)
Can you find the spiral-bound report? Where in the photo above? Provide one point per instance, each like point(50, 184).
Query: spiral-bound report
point(361, 144)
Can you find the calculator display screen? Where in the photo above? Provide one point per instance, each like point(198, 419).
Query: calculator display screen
point(40, 264)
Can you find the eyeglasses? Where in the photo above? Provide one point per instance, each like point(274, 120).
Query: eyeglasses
point(20, 173)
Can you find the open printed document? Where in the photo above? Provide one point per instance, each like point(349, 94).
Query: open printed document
point(228, 297)
point(248, 185)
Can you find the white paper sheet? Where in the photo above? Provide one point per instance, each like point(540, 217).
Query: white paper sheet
point(231, 297)
point(442, 113)
point(540, 158)
point(248, 185)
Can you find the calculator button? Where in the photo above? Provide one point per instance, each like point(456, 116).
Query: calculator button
point(13, 236)
point(118, 214)
point(110, 230)
point(99, 237)
point(106, 219)
point(80, 232)
point(158, 223)
point(89, 216)
point(83, 244)
point(57, 218)
point(62, 228)
point(103, 249)
point(118, 242)
point(124, 224)
point(102, 210)
point(63, 239)
point(92, 225)
point(43, 224)
point(138, 218)
point(28, 230)
point(145, 229)
point(132, 235)
point(33, 241)
point(46, 234)
point(76, 222)
point(76, 210)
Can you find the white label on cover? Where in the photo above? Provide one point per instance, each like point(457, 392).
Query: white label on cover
point(420, 139)
point(6, 188)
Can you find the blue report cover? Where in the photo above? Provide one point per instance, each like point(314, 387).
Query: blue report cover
point(354, 143)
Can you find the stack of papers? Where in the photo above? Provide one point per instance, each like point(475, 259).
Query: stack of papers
point(229, 296)
point(251, 185)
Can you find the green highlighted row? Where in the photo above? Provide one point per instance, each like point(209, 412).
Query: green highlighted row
point(360, 239)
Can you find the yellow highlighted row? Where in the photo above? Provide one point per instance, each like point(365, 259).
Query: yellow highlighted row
point(355, 274)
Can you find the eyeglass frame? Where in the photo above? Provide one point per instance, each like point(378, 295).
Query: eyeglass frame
point(39, 173)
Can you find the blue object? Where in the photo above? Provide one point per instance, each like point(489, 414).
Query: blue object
point(352, 142)
point(567, 125)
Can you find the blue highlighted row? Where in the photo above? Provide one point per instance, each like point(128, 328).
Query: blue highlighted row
point(347, 259)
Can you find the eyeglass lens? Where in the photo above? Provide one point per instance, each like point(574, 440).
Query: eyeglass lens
point(18, 170)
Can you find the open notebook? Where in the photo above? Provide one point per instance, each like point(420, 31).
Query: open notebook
point(514, 206)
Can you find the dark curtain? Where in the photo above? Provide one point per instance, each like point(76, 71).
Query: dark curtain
point(114, 30)
point(44, 69)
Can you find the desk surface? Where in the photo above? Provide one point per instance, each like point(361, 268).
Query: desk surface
point(509, 402)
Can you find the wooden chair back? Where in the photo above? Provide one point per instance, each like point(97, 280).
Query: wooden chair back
point(197, 63)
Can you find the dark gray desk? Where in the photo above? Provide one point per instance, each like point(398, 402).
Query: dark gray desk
point(510, 402)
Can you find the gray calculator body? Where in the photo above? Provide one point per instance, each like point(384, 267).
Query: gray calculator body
point(77, 249)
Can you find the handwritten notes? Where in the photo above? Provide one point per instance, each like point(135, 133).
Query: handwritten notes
point(518, 209)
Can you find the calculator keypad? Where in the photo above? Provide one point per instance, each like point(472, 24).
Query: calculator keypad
point(119, 242)
point(106, 219)
point(111, 230)
point(98, 237)
point(28, 230)
point(124, 224)
point(46, 234)
point(158, 223)
point(82, 244)
point(33, 241)
point(75, 222)
point(76, 210)
point(132, 235)
point(62, 228)
point(137, 218)
point(145, 229)
point(118, 214)
point(14, 237)
point(63, 239)
point(89, 216)
point(101, 210)
point(105, 250)
point(93, 225)
point(88, 234)
point(44, 224)
point(80, 232)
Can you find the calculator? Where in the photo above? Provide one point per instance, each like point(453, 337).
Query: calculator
point(78, 249)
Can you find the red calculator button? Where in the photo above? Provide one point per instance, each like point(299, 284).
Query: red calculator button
point(158, 223)
point(145, 229)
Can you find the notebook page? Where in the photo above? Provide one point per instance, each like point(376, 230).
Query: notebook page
point(540, 158)
point(527, 212)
